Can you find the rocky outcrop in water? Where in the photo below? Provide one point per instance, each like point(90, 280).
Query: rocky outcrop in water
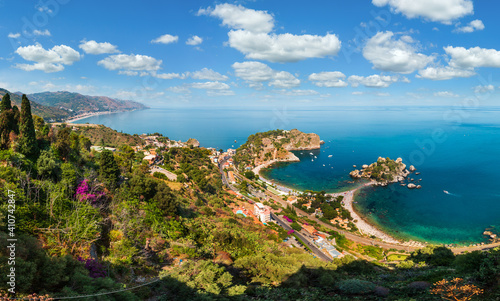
point(384, 171)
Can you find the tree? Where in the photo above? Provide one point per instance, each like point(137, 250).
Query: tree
point(17, 118)
point(7, 126)
point(250, 175)
point(455, 289)
point(165, 199)
point(295, 226)
point(27, 144)
point(108, 169)
point(47, 165)
point(62, 144)
point(39, 125)
point(5, 104)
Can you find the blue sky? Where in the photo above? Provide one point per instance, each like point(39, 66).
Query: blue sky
point(256, 53)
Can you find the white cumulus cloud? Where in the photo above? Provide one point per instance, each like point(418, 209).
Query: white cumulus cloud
point(132, 62)
point(239, 17)
point(445, 94)
point(473, 57)
point(14, 35)
point(387, 53)
point(444, 11)
point(166, 39)
point(444, 73)
point(283, 79)
point(283, 47)
point(208, 74)
point(194, 40)
point(471, 27)
point(484, 89)
point(213, 88)
point(251, 35)
point(51, 60)
point(256, 73)
point(297, 92)
point(210, 85)
point(328, 79)
point(45, 32)
point(93, 47)
point(375, 81)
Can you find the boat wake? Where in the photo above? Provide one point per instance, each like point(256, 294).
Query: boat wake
point(449, 193)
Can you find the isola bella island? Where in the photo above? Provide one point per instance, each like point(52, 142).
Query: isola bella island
point(249, 150)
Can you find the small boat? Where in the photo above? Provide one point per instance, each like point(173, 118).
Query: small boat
point(315, 157)
point(311, 154)
point(235, 141)
point(329, 156)
point(312, 160)
point(323, 164)
point(301, 153)
point(445, 191)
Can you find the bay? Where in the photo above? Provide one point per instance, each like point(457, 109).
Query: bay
point(455, 151)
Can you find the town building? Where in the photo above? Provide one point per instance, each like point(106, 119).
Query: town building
point(262, 212)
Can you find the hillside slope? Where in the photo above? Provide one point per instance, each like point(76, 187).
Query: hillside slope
point(79, 103)
point(43, 111)
point(275, 145)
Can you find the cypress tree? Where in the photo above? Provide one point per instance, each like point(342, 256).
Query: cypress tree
point(27, 143)
point(108, 169)
point(17, 117)
point(8, 121)
point(5, 104)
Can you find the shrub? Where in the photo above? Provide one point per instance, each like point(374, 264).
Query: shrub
point(356, 287)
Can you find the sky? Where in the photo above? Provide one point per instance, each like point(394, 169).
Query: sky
point(256, 53)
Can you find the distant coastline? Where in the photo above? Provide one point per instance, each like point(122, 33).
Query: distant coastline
point(88, 115)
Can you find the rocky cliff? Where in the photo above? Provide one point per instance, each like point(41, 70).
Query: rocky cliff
point(261, 148)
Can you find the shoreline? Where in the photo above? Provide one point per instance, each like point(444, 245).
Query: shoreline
point(79, 117)
point(367, 228)
point(364, 227)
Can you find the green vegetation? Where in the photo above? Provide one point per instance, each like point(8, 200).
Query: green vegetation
point(274, 144)
point(397, 257)
point(384, 170)
point(104, 136)
point(331, 207)
point(89, 222)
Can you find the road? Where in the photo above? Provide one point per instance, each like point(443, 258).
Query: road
point(370, 241)
point(312, 246)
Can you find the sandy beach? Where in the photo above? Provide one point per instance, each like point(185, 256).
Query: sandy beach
point(366, 228)
point(257, 169)
point(363, 226)
point(83, 116)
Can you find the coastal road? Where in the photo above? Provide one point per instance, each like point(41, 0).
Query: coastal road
point(312, 246)
point(351, 236)
point(280, 222)
point(370, 241)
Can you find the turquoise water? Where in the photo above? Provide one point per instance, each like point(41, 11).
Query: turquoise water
point(456, 151)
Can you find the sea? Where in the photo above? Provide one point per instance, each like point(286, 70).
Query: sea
point(455, 149)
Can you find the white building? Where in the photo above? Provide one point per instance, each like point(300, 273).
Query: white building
point(262, 212)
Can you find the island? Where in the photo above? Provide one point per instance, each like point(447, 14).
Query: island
point(385, 171)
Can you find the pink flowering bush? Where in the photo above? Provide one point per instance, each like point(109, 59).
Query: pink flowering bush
point(84, 193)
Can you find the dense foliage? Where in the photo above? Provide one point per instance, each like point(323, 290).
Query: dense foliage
point(89, 223)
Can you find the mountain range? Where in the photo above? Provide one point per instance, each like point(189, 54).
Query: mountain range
point(57, 106)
